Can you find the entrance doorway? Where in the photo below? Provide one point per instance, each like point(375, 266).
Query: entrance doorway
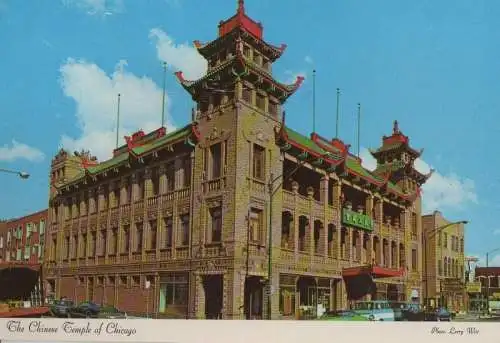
point(392, 292)
point(213, 287)
point(254, 296)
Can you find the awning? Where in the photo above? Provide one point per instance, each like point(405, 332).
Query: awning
point(374, 271)
point(17, 280)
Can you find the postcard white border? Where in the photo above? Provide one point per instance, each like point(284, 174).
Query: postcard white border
point(234, 331)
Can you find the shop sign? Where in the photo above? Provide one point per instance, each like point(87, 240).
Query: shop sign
point(359, 220)
point(474, 287)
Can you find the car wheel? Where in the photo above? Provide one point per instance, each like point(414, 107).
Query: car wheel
point(87, 314)
point(68, 315)
point(371, 317)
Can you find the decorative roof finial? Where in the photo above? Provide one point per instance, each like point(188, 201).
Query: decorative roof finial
point(395, 129)
point(241, 6)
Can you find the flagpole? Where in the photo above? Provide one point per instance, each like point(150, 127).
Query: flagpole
point(163, 96)
point(118, 120)
point(359, 127)
point(314, 100)
point(337, 119)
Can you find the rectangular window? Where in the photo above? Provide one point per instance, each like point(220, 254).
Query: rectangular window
point(103, 243)
point(84, 245)
point(152, 235)
point(67, 247)
point(440, 267)
point(173, 291)
point(186, 165)
point(155, 182)
point(256, 225)
point(414, 225)
point(114, 241)
point(260, 101)
point(93, 244)
point(259, 154)
point(440, 238)
point(74, 251)
point(139, 231)
point(170, 174)
point(215, 161)
point(129, 190)
point(216, 224)
point(116, 195)
point(169, 230)
point(184, 229)
point(126, 239)
point(445, 240)
point(273, 108)
point(414, 260)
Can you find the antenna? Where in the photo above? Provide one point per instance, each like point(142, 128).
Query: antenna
point(118, 120)
point(359, 127)
point(163, 96)
point(337, 119)
point(314, 100)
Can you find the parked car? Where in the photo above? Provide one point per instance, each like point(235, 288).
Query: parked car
point(62, 307)
point(86, 309)
point(111, 312)
point(343, 316)
point(413, 313)
point(440, 314)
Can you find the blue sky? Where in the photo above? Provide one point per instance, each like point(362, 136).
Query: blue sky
point(432, 65)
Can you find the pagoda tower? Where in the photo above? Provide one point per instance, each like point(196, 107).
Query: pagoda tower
point(238, 106)
point(397, 154)
point(396, 158)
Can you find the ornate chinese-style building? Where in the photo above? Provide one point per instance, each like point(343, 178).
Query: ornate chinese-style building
point(177, 223)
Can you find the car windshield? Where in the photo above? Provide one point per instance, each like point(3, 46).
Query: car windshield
point(64, 302)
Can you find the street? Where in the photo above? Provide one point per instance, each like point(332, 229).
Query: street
point(473, 317)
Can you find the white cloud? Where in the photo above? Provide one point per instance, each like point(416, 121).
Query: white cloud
point(97, 7)
point(183, 57)
point(95, 94)
point(440, 191)
point(496, 232)
point(18, 151)
point(308, 60)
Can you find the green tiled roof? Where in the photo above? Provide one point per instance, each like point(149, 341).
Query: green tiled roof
point(304, 141)
point(387, 147)
point(352, 163)
point(137, 151)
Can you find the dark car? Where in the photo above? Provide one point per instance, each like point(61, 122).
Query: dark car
point(86, 309)
point(111, 312)
point(439, 315)
point(413, 313)
point(62, 308)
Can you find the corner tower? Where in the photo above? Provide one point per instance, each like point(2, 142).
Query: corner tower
point(238, 107)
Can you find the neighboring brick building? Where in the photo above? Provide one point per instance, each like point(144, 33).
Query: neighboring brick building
point(445, 263)
point(22, 240)
point(189, 212)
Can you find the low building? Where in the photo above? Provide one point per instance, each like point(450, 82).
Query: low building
point(444, 260)
point(489, 279)
point(22, 241)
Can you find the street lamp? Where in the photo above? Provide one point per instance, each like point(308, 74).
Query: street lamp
point(21, 174)
point(272, 191)
point(488, 283)
point(427, 236)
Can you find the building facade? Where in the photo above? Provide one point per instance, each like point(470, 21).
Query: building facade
point(444, 259)
point(22, 240)
point(487, 297)
point(180, 224)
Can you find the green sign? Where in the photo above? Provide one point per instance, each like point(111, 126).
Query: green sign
point(356, 219)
